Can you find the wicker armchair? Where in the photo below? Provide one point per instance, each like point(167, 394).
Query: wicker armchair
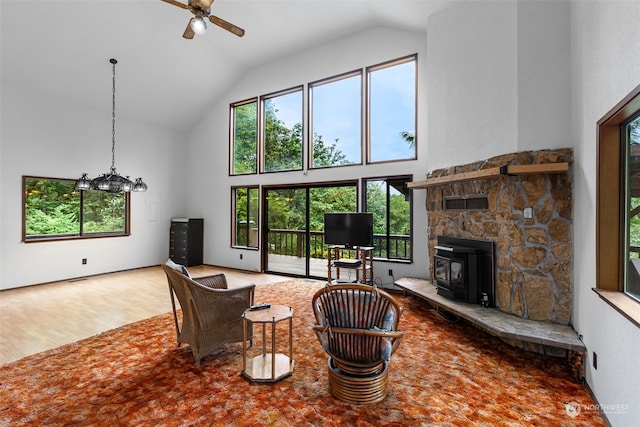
point(211, 313)
point(357, 326)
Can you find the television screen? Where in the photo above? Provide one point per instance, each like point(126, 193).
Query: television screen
point(348, 229)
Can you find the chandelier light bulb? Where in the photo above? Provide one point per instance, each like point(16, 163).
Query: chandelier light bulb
point(198, 25)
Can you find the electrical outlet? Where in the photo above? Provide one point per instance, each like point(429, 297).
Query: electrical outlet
point(84, 261)
point(595, 360)
point(390, 272)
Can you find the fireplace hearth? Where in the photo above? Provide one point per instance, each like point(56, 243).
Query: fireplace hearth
point(464, 270)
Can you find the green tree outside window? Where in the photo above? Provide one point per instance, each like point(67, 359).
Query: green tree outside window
point(53, 208)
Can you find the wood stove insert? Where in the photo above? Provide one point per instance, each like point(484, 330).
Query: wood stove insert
point(464, 270)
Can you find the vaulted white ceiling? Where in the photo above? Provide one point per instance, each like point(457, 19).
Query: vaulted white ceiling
point(62, 48)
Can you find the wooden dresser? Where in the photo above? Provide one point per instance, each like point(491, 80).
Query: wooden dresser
point(186, 241)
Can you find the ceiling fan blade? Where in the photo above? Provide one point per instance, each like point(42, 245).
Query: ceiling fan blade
point(188, 32)
point(226, 25)
point(176, 3)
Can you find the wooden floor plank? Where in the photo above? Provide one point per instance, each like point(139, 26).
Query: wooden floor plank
point(41, 317)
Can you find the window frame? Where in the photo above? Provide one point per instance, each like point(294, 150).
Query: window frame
point(610, 205)
point(262, 129)
point(232, 136)
point(234, 213)
point(81, 234)
point(368, 71)
point(310, 137)
point(387, 178)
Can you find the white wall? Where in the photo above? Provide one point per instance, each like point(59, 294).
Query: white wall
point(209, 144)
point(606, 67)
point(473, 83)
point(499, 75)
point(48, 137)
point(544, 75)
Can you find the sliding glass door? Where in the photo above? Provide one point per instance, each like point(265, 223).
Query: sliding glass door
point(294, 232)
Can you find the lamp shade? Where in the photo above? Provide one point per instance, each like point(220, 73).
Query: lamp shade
point(139, 185)
point(83, 183)
point(198, 25)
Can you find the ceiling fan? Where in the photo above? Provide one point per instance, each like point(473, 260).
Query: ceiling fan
point(201, 10)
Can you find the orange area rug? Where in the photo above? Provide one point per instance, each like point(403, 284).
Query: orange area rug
point(443, 374)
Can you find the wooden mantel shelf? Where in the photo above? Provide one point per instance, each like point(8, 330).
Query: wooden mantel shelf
point(541, 168)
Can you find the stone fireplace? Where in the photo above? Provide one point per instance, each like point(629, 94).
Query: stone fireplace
point(528, 216)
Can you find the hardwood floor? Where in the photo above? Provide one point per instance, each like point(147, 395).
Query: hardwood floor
point(37, 318)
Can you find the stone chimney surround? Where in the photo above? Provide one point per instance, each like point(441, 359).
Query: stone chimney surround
point(527, 214)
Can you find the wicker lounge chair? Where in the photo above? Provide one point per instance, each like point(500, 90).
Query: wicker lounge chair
point(357, 326)
point(211, 313)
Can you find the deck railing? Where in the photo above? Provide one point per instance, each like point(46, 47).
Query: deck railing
point(293, 243)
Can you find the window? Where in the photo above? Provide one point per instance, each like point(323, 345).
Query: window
point(246, 217)
point(282, 132)
point(389, 200)
point(392, 110)
point(54, 209)
point(336, 121)
point(244, 138)
point(631, 137)
point(337, 112)
point(617, 207)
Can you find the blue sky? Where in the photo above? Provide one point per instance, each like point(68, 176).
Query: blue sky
point(336, 115)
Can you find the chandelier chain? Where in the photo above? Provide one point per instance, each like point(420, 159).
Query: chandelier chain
point(111, 181)
point(113, 118)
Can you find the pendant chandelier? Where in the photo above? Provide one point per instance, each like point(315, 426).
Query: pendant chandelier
point(111, 182)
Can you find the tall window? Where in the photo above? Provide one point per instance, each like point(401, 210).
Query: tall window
point(54, 209)
point(282, 131)
point(392, 110)
point(246, 217)
point(244, 138)
point(389, 200)
point(617, 207)
point(336, 121)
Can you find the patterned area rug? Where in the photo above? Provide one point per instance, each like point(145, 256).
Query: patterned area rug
point(444, 374)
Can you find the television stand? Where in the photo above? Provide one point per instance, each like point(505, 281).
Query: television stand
point(358, 259)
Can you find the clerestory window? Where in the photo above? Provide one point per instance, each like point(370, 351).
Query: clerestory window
point(282, 131)
point(350, 118)
point(244, 137)
point(336, 121)
point(392, 110)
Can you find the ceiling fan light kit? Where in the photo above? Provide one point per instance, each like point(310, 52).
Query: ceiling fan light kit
point(111, 182)
point(198, 25)
point(201, 9)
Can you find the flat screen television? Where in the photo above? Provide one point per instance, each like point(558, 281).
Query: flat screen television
point(348, 229)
